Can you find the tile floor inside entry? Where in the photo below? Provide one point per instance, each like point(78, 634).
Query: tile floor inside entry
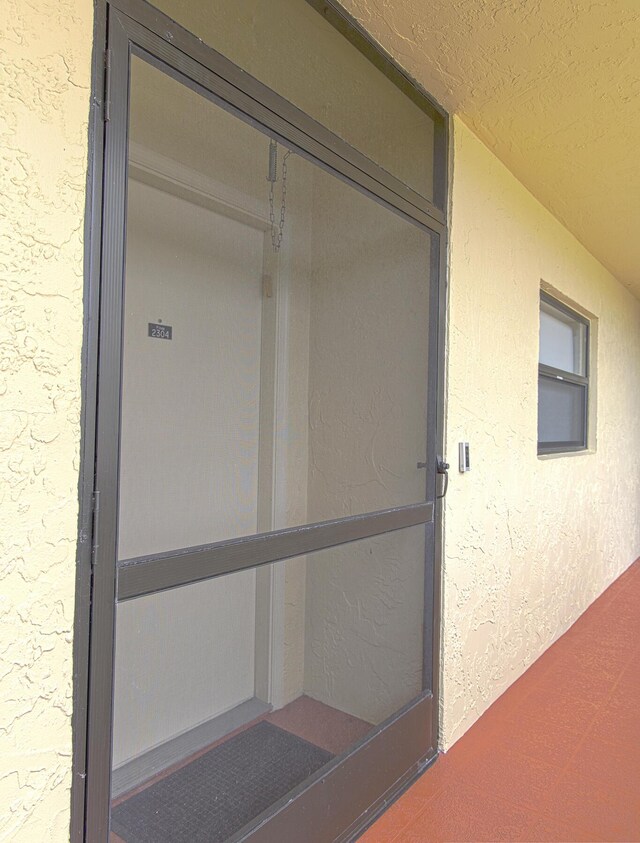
point(556, 758)
point(319, 725)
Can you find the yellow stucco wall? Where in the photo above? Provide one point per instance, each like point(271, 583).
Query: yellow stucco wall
point(529, 542)
point(44, 103)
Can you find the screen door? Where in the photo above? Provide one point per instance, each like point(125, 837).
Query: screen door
point(265, 469)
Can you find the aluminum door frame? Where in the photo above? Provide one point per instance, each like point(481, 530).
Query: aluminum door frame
point(391, 748)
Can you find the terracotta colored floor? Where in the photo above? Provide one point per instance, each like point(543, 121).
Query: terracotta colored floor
point(557, 757)
point(320, 724)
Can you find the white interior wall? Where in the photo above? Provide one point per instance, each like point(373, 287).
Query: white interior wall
point(182, 657)
point(188, 467)
point(190, 409)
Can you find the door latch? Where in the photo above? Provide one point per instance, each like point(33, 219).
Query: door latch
point(442, 467)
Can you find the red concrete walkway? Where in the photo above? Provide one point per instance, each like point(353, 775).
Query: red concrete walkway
point(557, 757)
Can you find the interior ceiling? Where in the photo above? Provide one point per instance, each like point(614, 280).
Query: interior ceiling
point(552, 87)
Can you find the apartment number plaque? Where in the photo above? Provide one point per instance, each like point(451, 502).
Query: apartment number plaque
point(160, 332)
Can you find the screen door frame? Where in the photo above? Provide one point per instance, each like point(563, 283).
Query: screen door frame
point(376, 768)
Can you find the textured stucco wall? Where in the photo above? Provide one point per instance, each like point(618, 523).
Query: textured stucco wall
point(44, 97)
point(550, 87)
point(530, 542)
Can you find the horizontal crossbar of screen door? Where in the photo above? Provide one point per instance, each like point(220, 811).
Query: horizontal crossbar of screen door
point(150, 574)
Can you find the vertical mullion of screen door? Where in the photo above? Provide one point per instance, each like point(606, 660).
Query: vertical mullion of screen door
point(107, 438)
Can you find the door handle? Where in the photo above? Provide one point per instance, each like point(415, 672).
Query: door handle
point(442, 467)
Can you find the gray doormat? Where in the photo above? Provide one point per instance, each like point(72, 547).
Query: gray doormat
point(211, 798)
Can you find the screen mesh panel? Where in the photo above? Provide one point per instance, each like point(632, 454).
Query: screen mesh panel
point(324, 647)
point(275, 334)
point(291, 48)
point(561, 411)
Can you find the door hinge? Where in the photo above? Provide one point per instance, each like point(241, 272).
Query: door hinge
point(96, 525)
point(107, 86)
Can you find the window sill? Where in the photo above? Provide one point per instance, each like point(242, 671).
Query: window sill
point(560, 454)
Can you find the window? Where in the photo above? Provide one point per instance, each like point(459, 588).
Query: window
point(563, 378)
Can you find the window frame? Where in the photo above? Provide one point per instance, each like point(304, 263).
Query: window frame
point(552, 374)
